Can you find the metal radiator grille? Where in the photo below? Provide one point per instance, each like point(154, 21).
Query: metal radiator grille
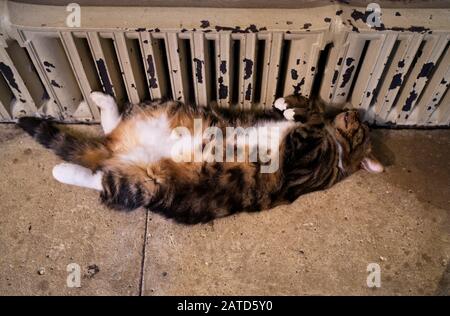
point(395, 76)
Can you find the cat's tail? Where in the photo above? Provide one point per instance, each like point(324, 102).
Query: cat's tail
point(88, 152)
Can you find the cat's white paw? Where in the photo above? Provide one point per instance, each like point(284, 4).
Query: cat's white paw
point(289, 114)
point(280, 104)
point(62, 172)
point(73, 174)
point(102, 100)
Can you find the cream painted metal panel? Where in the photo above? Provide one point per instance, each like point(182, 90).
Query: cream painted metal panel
point(122, 51)
point(149, 56)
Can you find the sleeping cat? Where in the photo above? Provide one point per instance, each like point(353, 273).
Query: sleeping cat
point(132, 166)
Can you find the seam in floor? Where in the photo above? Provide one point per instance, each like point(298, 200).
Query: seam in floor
point(141, 281)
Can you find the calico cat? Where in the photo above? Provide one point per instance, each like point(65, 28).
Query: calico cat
point(131, 165)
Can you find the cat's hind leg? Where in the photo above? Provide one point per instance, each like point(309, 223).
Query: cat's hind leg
point(73, 174)
point(109, 111)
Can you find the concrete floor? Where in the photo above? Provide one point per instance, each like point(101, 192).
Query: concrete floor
point(319, 245)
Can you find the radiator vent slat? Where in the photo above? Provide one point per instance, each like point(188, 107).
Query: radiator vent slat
point(346, 68)
point(148, 57)
point(79, 71)
point(374, 63)
point(224, 66)
point(174, 58)
point(201, 68)
point(122, 51)
point(248, 69)
point(271, 63)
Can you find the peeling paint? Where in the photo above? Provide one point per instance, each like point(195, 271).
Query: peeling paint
point(223, 89)
point(248, 68)
point(339, 12)
point(307, 26)
point(335, 76)
point(107, 86)
point(349, 61)
point(359, 15)
point(401, 63)
point(328, 20)
point(347, 75)
point(152, 82)
point(248, 92)
point(204, 24)
point(294, 74)
point(223, 66)
point(55, 84)
point(426, 70)
point(198, 70)
point(409, 101)
point(9, 76)
point(396, 81)
point(252, 28)
point(412, 28)
point(49, 65)
point(298, 86)
point(354, 28)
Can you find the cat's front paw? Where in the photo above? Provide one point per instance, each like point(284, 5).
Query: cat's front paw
point(102, 100)
point(289, 114)
point(280, 104)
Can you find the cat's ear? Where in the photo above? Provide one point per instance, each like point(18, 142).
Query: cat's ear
point(371, 164)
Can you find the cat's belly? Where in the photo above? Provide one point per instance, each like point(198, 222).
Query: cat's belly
point(147, 141)
point(150, 140)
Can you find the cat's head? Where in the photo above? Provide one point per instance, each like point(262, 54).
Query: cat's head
point(353, 136)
